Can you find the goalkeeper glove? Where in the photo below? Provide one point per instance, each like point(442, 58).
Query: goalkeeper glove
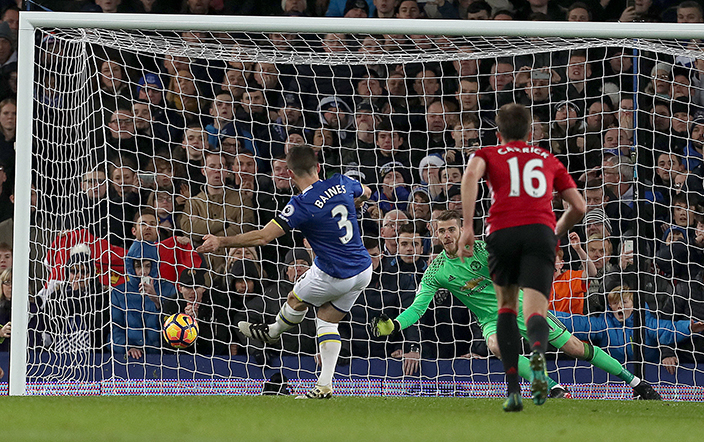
point(384, 326)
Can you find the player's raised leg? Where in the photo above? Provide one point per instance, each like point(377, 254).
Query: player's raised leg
point(291, 314)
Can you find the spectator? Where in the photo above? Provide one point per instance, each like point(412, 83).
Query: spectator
point(599, 250)
point(5, 309)
point(360, 150)
point(618, 179)
point(111, 6)
point(408, 9)
point(695, 146)
point(689, 12)
point(39, 224)
point(114, 89)
point(216, 210)
point(221, 109)
point(267, 78)
point(294, 7)
point(137, 304)
point(341, 8)
point(336, 114)
point(156, 133)
point(11, 15)
point(579, 12)
point(168, 211)
point(536, 85)
point(567, 136)
point(550, 9)
point(8, 128)
point(77, 311)
point(388, 233)
point(569, 287)
point(325, 144)
point(503, 14)
point(613, 330)
point(478, 10)
point(419, 205)
point(682, 85)
point(581, 87)
point(290, 118)
point(682, 128)
point(436, 137)
point(599, 117)
point(234, 81)
point(183, 96)
point(199, 7)
point(427, 88)
point(441, 9)
point(468, 94)
point(499, 90)
point(467, 140)
point(356, 9)
point(410, 259)
point(643, 11)
point(193, 145)
point(384, 9)
point(254, 123)
point(660, 84)
point(125, 198)
point(393, 193)
point(429, 171)
point(123, 142)
point(257, 191)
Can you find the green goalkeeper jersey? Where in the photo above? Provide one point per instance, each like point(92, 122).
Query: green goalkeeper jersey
point(468, 281)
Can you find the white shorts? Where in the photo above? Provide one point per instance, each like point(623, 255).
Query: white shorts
point(317, 287)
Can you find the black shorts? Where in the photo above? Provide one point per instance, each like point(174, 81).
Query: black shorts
point(523, 256)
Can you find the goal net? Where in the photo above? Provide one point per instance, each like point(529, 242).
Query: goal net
point(145, 140)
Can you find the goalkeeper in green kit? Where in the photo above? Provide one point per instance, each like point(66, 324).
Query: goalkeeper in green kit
point(470, 282)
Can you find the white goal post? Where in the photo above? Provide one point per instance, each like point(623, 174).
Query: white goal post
point(561, 34)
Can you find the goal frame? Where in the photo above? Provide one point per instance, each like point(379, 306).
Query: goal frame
point(29, 21)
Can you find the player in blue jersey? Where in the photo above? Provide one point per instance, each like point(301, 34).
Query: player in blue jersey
point(325, 212)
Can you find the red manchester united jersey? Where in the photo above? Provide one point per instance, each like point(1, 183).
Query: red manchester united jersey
point(522, 178)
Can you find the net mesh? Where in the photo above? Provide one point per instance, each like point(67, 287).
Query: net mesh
point(123, 118)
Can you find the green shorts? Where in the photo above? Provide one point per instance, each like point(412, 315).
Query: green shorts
point(558, 333)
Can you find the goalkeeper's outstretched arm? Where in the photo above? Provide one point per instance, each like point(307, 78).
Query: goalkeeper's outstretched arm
point(384, 326)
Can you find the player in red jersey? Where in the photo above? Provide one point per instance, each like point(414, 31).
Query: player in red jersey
point(521, 238)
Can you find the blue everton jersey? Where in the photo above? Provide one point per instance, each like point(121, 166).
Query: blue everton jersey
point(325, 214)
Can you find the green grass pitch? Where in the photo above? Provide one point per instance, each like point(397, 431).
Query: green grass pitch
point(382, 419)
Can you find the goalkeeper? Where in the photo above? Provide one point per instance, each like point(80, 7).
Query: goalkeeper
point(470, 282)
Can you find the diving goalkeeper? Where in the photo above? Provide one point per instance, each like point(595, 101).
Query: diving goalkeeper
point(470, 282)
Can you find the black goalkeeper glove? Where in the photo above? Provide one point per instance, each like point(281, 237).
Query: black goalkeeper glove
point(384, 326)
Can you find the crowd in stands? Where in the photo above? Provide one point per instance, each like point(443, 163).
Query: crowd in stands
point(182, 148)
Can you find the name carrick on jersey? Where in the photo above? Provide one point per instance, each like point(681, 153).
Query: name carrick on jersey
point(325, 214)
point(469, 282)
point(522, 178)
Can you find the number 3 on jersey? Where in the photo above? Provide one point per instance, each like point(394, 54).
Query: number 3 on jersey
point(344, 223)
point(531, 172)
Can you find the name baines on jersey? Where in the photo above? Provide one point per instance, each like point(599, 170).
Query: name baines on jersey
point(522, 178)
point(325, 214)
